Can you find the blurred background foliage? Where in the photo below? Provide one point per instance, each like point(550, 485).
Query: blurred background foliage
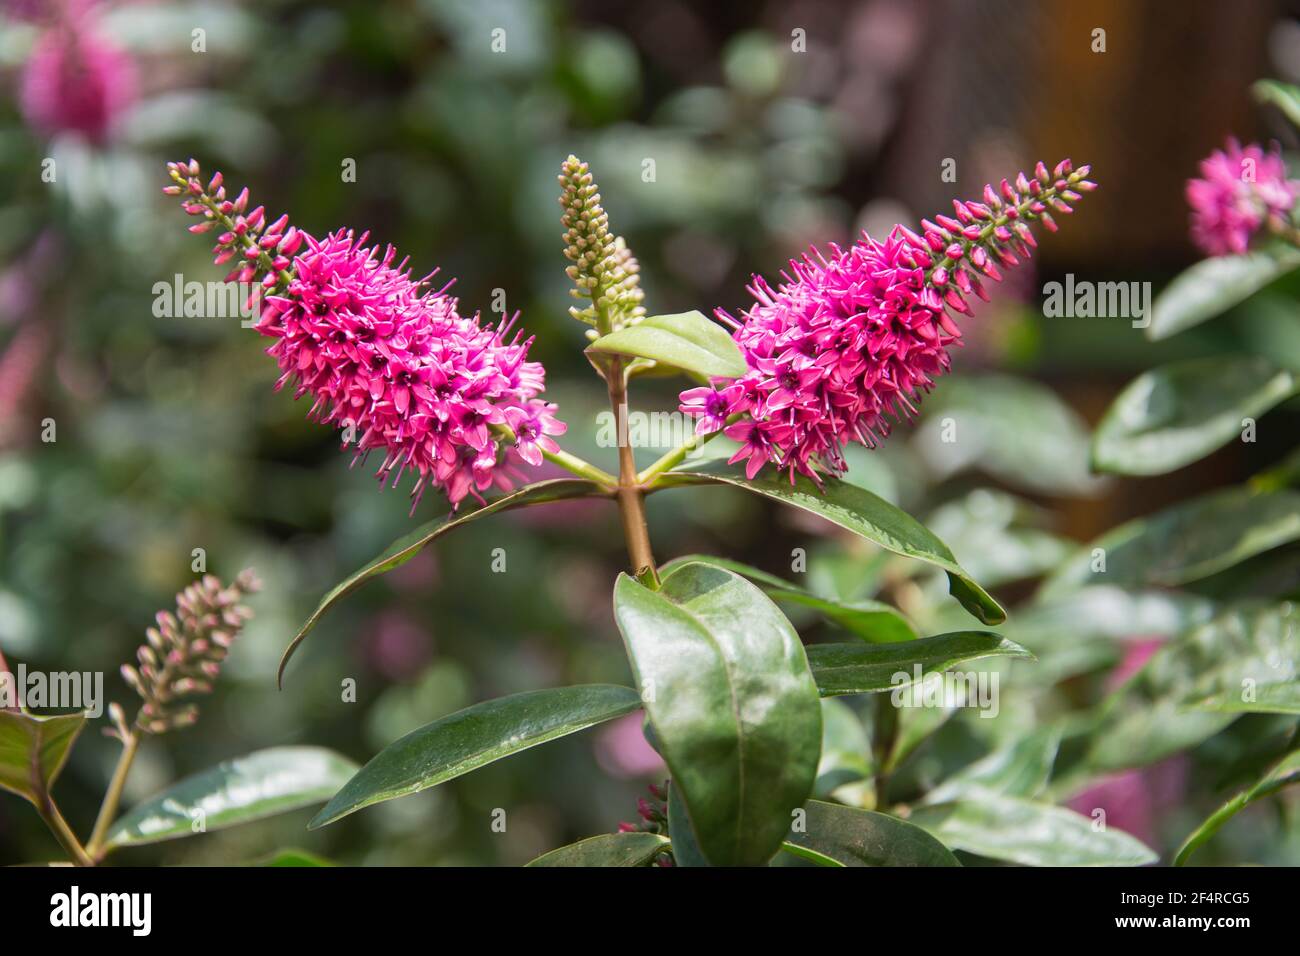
point(169, 437)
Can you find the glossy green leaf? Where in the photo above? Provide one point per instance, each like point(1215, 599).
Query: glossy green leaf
point(872, 668)
point(733, 705)
point(1285, 96)
point(409, 545)
point(1029, 833)
point(1156, 713)
point(33, 751)
point(1284, 774)
point(248, 788)
point(836, 835)
point(608, 849)
point(870, 620)
point(1017, 430)
point(1214, 285)
point(688, 340)
point(474, 737)
point(1177, 414)
point(1019, 769)
point(1189, 541)
point(686, 849)
point(861, 512)
point(846, 751)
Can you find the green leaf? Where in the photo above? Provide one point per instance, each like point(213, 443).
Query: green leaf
point(474, 737)
point(687, 340)
point(33, 751)
point(993, 537)
point(1268, 699)
point(1284, 774)
point(1154, 714)
point(1017, 430)
point(872, 668)
point(846, 751)
point(1189, 541)
point(861, 512)
point(1282, 95)
point(733, 705)
point(1214, 285)
point(1019, 769)
point(409, 545)
point(1175, 415)
point(1032, 834)
point(869, 620)
point(294, 857)
point(686, 849)
point(258, 785)
point(844, 836)
point(608, 849)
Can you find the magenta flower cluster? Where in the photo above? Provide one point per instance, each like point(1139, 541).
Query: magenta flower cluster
point(75, 79)
point(1241, 190)
point(384, 357)
point(852, 340)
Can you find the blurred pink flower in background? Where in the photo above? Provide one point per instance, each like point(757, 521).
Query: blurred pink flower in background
point(397, 647)
point(76, 81)
point(1241, 190)
point(622, 750)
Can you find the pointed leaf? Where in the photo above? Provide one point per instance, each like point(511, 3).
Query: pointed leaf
point(688, 340)
point(608, 849)
point(836, 835)
point(409, 545)
point(248, 788)
point(1283, 775)
point(1177, 414)
point(861, 512)
point(33, 751)
point(474, 737)
point(1215, 285)
point(734, 708)
point(872, 668)
point(1032, 834)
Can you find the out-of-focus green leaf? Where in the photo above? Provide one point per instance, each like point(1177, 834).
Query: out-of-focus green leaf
point(608, 849)
point(846, 751)
point(1155, 713)
point(872, 668)
point(861, 512)
point(1281, 698)
point(1019, 769)
point(248, 788)
point(1214, 285)
point(474, 737)
point(1189, 541)
point(1172, 416)
point(1029, 833)
point(1017, 430)
point(872, 621)
point(295, 858)
point(1284, 774)
point(409, 545)
point(993, 536)
point(733, 705)
point(836, 835)
point(689, 341)
point(33, 751)
point(1284, 96)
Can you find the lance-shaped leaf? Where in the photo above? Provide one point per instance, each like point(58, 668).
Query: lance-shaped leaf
point(872, 668)
point(858, 510)
point(733, 705)
point(1019, 769)
point(261, 784)
point(474, 737)
point(835, 835)
point(1189, 541)
point(33, 751)
point(409, 545)
point(688, 341)
point(1214, 285)
point(1029, 833)
point(1284, 774)
point(1172, 416)
point(608, 849)
point(870, 620)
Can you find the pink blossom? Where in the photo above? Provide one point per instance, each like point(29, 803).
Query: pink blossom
point(1240, 191)
point(76, 81)
point(854, 337)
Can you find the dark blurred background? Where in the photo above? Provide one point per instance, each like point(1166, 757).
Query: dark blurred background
point(771, 125)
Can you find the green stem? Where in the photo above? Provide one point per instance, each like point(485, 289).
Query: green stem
point(884, 734)
point(678, 454)
point(631, 496)
point(570, 463)
point(62, 832)
point(108, 809)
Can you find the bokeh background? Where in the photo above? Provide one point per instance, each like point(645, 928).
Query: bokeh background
point(169, 437)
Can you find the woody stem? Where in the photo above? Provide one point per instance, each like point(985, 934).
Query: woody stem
point(631, 497)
